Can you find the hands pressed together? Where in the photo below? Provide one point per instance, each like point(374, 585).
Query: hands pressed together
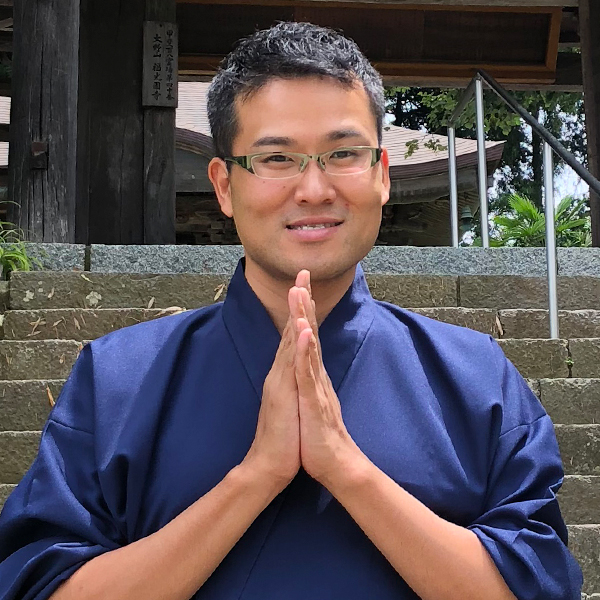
point(300, 420)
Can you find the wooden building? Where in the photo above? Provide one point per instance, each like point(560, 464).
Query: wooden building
point(92, 156)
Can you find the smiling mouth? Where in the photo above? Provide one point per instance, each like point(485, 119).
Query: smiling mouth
point(310, 227)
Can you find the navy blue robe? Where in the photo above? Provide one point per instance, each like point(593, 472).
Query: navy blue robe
point(155, 415)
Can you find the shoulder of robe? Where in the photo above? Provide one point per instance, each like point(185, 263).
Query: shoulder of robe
point(474, 359)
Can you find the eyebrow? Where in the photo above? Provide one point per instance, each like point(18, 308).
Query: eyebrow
point(333, 136)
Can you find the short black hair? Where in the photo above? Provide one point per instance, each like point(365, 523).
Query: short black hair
point(287, 50)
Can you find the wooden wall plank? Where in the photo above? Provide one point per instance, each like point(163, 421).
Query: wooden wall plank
point(44, 109)
point(111, 140)
point(462, 4)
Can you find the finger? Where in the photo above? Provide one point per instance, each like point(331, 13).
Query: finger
point(310, 315)
point(303, 279)
point(305, 375)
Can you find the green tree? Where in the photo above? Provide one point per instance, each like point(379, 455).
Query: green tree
point(521, 171)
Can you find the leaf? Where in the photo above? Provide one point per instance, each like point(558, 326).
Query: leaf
point(219, 291)
point(51, 400)
point(77, 325)
point(151, 303)
point(86, 278)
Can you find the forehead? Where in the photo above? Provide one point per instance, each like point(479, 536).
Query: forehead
point(305, 110)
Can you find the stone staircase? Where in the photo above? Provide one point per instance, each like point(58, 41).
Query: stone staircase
point(50, 315)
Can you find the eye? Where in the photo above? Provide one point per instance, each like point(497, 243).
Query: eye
point(342, 154)
point(275, 158)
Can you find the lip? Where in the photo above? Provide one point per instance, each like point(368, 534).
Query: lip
point(314, 221)
point(314, 235)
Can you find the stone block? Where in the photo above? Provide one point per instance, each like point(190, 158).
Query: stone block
point(537, 359)
point(57, 257)
point(25, 405)
point(585, 357)
point(479, 319)
point(4, 296)
point(535, 323)
point(43, 359)
point(414, 291)
point(579, 448)
point(508, 291)
point(5, 491)
point(76, 323)
point(584, 542)
point(18, 450)
point(221, 260)
point(30, 291)
point(579, 499)
point(571, 401)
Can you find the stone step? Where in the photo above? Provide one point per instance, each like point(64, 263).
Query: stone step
point(40, 359)
point(579, 445)
point(534, 323)
point(571, 401)
point(579, 499)
point(75, 323)
point(63, 289)
point(539, 359)
point(580, 448)
point(510, 291)
point(585, 357)
point(584, 542)
point(25, 404)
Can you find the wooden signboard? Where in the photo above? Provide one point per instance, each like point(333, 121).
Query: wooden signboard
point(160, 64)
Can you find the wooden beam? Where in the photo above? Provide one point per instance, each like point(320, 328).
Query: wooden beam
point(159, 153)
point(589, 17)
point(42, 152)
point(6, 24)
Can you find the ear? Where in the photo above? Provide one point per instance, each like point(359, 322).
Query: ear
point(385, 173)
point(219, 177)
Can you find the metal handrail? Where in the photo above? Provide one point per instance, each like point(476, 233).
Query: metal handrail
point(551, 144)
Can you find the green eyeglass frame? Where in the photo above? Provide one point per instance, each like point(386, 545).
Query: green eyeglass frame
point(245, 161)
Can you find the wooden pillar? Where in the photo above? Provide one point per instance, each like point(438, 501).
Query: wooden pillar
point(44, 119)
point(159, 149)
point(589, 18)
point(111, 127)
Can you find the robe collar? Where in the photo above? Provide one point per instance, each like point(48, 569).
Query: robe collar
point(256, 338)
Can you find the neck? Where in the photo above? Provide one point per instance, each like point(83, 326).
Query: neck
point(273, 293)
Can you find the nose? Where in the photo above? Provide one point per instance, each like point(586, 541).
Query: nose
point(314, 185)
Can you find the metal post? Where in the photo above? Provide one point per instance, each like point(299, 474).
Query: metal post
point(482, 167)
point(550, 240)
point(453, 185)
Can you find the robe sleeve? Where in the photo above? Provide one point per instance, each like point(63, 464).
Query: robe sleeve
point(521, 526)
point(56, 519)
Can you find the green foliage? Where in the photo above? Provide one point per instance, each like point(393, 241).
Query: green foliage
point(13, 251)
point(562, 113)
point(522, 223)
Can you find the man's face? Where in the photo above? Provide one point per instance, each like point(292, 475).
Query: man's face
point(309, 115)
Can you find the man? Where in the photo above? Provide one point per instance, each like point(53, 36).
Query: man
point(299, 440)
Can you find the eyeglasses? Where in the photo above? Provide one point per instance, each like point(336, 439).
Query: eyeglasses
point(284, 165)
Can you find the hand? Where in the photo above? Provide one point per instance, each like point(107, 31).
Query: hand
point(326, 448)
point(275, 452)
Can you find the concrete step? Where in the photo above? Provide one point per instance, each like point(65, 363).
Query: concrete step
point(479, 319)
point(510, 291)
point(532, 323)
point(40, 359)
point(75, 323)
point(584, 542)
